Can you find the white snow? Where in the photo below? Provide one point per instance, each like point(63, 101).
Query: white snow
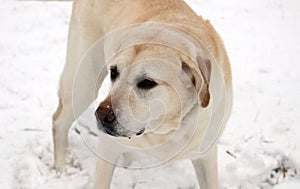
point(262, 38)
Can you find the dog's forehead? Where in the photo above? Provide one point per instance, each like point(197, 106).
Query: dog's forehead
point(155, 67)
point(156, 62)
point(148, 61)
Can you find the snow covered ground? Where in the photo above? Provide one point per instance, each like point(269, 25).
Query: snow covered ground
point(259, 148)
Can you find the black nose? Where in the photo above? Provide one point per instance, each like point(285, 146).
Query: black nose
point(105, 114)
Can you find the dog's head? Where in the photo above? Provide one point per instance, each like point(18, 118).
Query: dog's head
point(153, 87)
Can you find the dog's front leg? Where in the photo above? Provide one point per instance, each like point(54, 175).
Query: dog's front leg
point(104, 172)
point(78, 84)
point(206, 168)
point(108, 156)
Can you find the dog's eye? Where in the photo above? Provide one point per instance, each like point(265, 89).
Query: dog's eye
point(113, 73)
point(146, 84)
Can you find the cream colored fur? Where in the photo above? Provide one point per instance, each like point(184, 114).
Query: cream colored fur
point(91, 20)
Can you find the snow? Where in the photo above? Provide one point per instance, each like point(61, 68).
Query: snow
point(259, 148)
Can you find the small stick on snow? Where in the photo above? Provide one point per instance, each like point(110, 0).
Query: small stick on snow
point(231, 154)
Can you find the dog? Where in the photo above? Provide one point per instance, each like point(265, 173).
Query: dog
point(166, 96)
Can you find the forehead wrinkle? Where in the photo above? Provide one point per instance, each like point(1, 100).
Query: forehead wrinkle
point(123, 58)
point(155, 51)
point(157, 69)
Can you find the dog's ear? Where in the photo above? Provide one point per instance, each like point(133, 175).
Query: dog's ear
point(204, 94)
point(199, 74)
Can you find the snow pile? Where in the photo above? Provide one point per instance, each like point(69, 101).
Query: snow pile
point(259, 148)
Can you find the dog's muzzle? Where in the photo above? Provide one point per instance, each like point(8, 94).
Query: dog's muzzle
point(107, 122)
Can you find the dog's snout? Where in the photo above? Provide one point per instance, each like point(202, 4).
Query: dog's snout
point(105, 113)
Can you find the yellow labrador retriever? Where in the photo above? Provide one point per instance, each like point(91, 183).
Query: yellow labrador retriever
point(171, 91)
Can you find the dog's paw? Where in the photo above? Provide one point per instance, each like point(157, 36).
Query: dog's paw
point(60, 167)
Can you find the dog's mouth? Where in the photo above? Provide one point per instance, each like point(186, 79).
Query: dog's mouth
point(113, 131)
point(116, 134)
point(140, 132)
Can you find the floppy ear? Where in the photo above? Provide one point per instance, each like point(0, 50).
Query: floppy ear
point(205, 68)
point(199, 74)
